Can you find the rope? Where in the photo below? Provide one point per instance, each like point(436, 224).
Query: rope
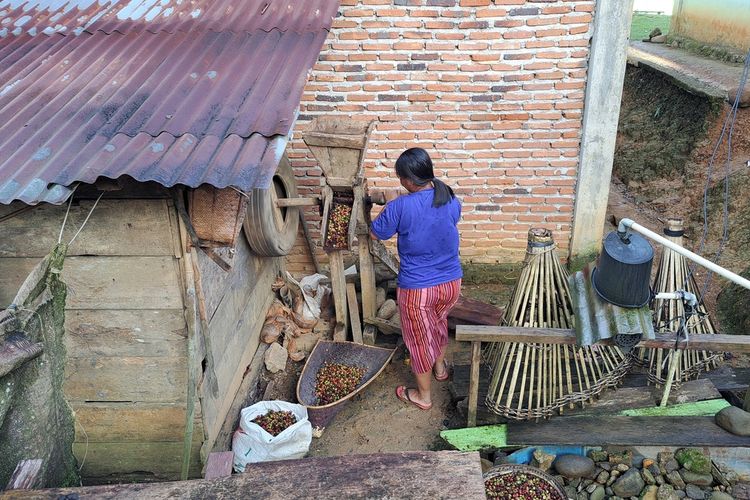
point(726, 130)
point(86, 219)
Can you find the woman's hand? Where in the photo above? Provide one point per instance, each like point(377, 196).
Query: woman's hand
point(383, 196)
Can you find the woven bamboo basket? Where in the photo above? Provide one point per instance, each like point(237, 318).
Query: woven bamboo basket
point(217, 214)
point(372, 359)
point(673, 274)
point(502, 470)
point(537, 380)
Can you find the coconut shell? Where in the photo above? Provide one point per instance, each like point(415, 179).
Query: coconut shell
point(388, 309)
point(271, 331)
point(379, 297)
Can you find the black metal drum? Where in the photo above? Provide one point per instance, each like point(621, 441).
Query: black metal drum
point(623, 270)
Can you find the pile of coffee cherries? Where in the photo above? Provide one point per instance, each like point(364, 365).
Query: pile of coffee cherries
point(335, 380)
point(520, 486)
point(338, 226)
point(276, 422)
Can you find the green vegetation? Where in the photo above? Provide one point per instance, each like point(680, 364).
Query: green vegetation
point(643, 24)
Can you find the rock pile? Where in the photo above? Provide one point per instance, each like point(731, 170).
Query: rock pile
point(686, 473)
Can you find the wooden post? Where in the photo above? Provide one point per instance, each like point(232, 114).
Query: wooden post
point(476, 359)
point(351, 295)
point(338, 284)
point(26, 475)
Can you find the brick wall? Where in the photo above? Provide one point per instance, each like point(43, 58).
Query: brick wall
point(492, 89)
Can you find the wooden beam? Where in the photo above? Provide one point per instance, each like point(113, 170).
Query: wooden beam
point(298, 202)
point(476, 360)
point(705, 342)
point(450, 474)
point(385, 326)
point(26, 475)
point(351, 296)
point(338, 284)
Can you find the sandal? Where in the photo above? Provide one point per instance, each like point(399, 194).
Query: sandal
point(446, 374)
point(402, 393)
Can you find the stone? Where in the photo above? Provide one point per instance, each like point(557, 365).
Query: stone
point(608, 491)
point(602, 477)
point(605, 466)
point(542, 460)
point(582, 495)
point(659, 480)
point(659, 39)
point(598, 493)
point(664, 457)
point(275, 358)
point(648, 477)
point(649, 492)
point(572, 466)
point(598, 455)
point(500, 458)
point(693, 460)
point(621, 467)
point(680, 493)
point(647, 462)
point(720, 495)
point(666, 492)
point(675, 480)
point(693, 491)
point(629, 484)
point(672, 465)
point(654, 469)
point(570, 491)
point(734, 420)
point(655, 32)
point(622, 457)
point(695, 478)
point(590, 488)
point(575, 482)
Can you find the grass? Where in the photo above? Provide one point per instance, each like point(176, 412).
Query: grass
point(644, 23)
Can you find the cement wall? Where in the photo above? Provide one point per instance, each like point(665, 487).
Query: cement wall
point(724, 23)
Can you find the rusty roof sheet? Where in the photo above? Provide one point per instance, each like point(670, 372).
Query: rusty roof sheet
point(168, 100)
point(597, 319)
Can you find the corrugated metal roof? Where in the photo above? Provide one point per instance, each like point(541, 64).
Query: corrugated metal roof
point(597, 319)
point(172, 99)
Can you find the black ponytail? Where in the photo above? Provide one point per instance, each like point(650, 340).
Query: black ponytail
point(416, 165)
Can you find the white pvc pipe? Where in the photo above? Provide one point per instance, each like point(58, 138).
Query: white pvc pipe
point(735, 278)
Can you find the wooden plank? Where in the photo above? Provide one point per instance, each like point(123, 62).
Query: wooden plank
point(385, 326)
point(477, 438)
point(606, 430)
point(122, 283)
point(707, 408)
point(217, 283)
point(240, 334)
point(476, 360)
point(115, 228)
point(414, 475)
point(247, 394)
point(727, 378)
point(369, 334)
point(132, 422)
point(134, 333)
point(351, 295)
point(476, 312)
point(161, 460)
point(26, 475)
point(379, 250)
point(219, 464)
point(705, 342)
point(141, 379)
point(338, 284)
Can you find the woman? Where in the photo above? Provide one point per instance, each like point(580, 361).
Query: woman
point(429, 278)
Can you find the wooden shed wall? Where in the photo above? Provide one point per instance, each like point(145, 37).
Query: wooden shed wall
point(236, 303)
point(126, 375)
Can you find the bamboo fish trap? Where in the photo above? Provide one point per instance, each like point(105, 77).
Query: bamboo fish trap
point(536, 380)
point(672, 275)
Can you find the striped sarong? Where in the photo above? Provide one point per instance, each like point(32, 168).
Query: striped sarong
point(424, 321)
